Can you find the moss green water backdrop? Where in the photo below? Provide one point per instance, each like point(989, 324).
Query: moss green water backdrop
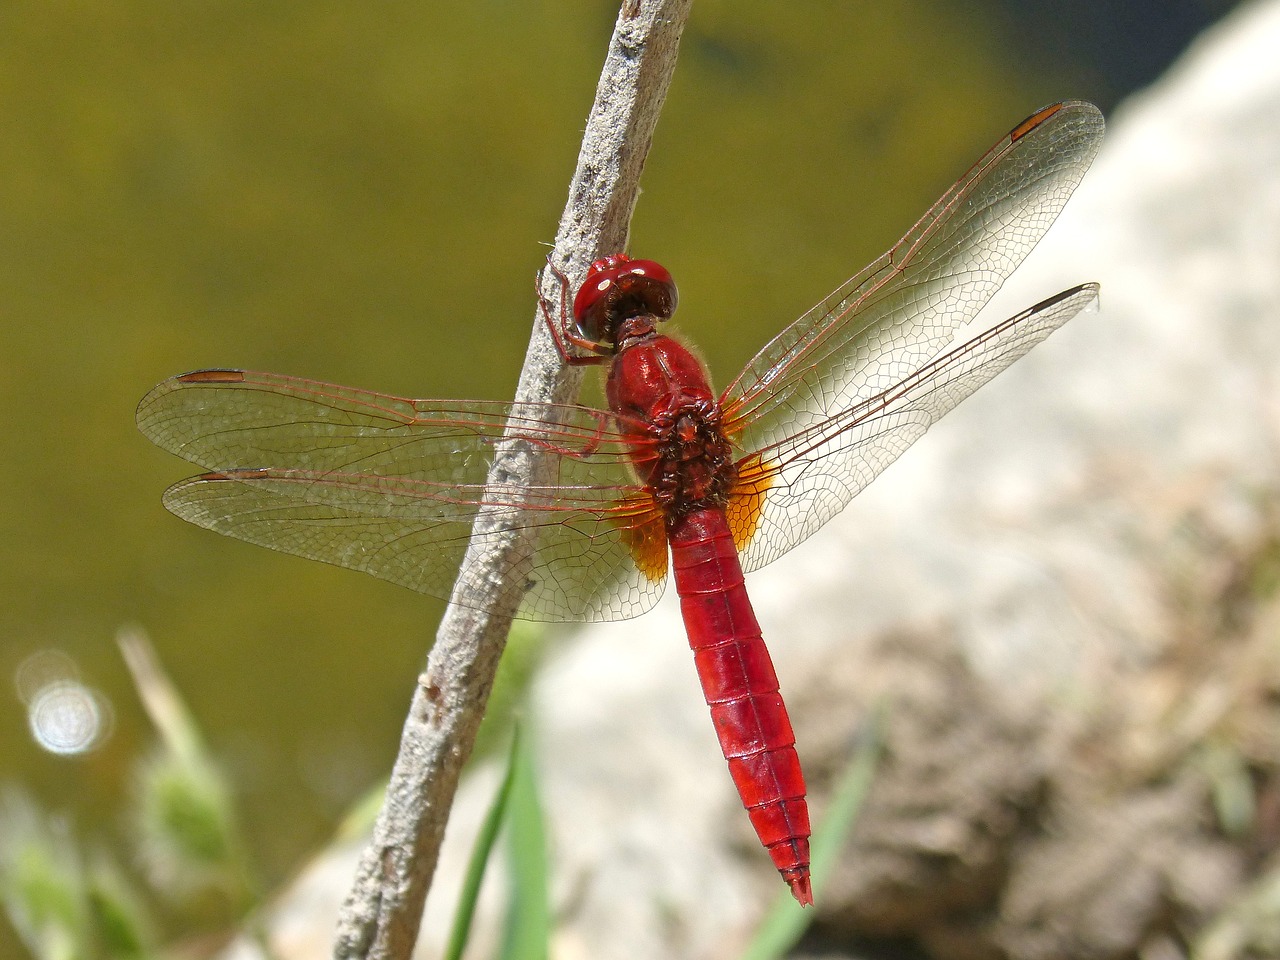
point(362, 193)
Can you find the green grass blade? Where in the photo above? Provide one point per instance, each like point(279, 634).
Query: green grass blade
point(786, 920)
point(479, 861)
point(123, 923)
point(42, 880)
point(528, 923)
point(188, 831)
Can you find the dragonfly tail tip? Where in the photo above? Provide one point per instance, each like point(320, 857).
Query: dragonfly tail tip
point(801, 889)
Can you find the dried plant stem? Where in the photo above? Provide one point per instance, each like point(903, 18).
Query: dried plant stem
point(381, 915)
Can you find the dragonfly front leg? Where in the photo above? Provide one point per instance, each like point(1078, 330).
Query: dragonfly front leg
point(563, 330)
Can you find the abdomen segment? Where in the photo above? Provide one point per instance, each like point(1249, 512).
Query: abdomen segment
point(742, 691)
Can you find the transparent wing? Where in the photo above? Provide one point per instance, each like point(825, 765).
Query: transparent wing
point(391, 486)
point(789, 489)
point(904, 308)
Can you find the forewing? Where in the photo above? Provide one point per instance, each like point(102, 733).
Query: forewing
point(904, 308)
point(391, 486)
point(790, 489)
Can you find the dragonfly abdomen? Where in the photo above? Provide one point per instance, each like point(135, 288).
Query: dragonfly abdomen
point(741, 689)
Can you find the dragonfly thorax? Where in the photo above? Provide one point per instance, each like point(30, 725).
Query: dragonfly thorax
point(694, 465)
point(660, 393)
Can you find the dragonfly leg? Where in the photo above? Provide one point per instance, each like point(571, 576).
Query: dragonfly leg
point(588, 447)
point(562, 328)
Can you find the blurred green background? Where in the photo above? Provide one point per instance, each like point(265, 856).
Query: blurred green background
point(362, 193)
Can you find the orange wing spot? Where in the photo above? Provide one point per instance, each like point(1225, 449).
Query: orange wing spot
point(212, 376)
point(645, 534)
point(746, 500)
point(1029, 124)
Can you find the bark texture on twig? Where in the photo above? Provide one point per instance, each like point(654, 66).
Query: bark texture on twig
point(381, 915)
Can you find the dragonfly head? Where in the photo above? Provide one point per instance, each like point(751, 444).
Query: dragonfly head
point(618, 287)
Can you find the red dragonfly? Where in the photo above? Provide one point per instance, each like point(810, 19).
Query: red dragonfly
point(722, 484)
